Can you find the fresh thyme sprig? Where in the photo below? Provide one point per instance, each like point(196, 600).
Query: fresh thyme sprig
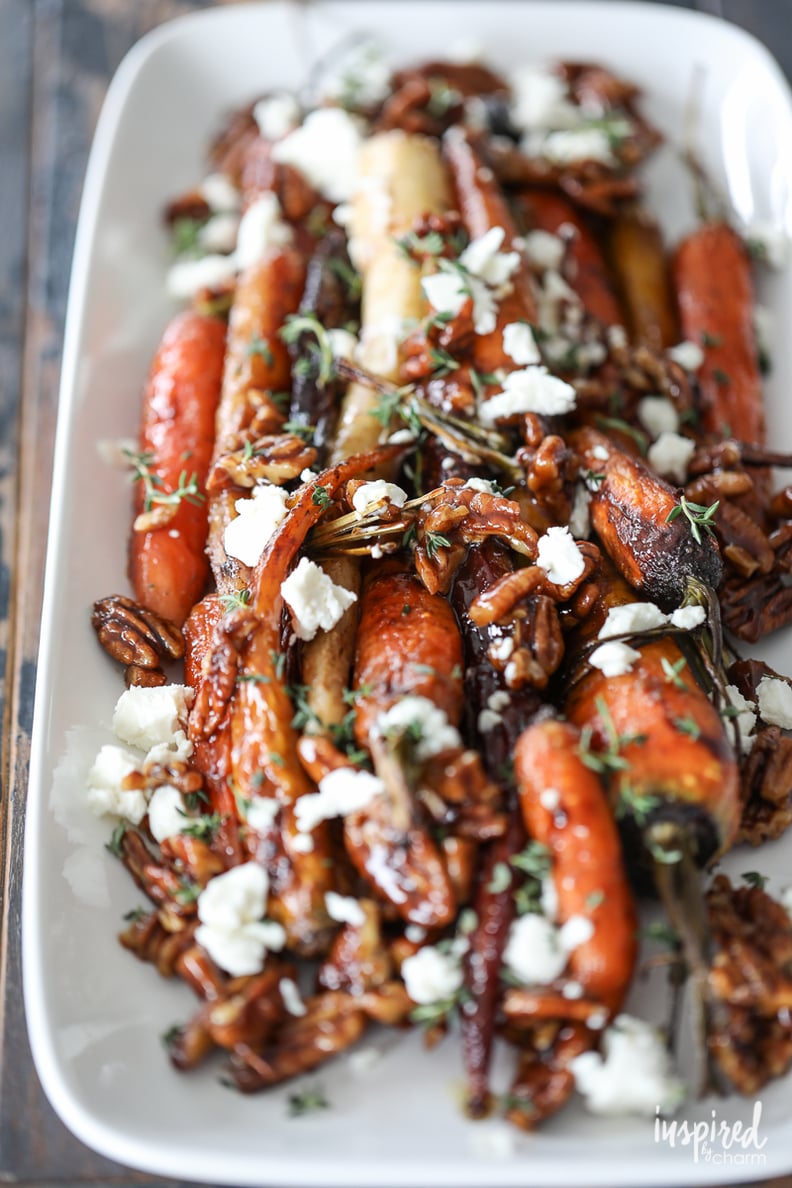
point(141, 461)
point(699, 517)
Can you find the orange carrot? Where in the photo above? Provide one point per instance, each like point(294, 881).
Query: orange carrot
point(167, 564)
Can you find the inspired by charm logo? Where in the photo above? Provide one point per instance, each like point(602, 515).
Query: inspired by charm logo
point(718, 1141)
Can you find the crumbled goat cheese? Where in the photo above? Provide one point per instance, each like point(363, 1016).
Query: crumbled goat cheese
point(634, 1074)
point(688, 617)
point(149, 717)
point(568, 146)
point(558, 555)
point(580, 513)
point(544, 251)
point(277, 115)
point(688, 355)
point(483, 276)
point(670, 456)
point(342, 791)
point(325, 150)
point(657, 415)
point(501, 649)
point(167, 812)
point(188, 277)
point(431, 976)
point(775, 702)
point(369, 494)
point(343, 344)
point(220, 194)
point(499, 700)
point(572, 990)
point(361, 80)
point(531, 389)
point(632, 618)
point(435, 732)
point(261, 812)
point(540, 100)
point(401, 437)
point(104, 791)
point(260, 228)
point(303, 843)
point(745, 720)
point(291, 997)
point(232, 929)
point(533, 952)
point(519, 343)
point(614, 659)
point(315, 600)
point(601, 453)
point(485, 486)
point(219, 234)
point(258, 515)
point(345, 909)
point(575, 931)
point(768, 242)
point(487, 720)
point(550, 798)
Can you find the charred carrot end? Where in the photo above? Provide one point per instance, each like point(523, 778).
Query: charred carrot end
point(565, 809)
point(167, 564)
point(712, 277)
point(639, 261)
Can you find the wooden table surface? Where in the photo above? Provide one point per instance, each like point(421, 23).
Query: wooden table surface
point(56, 58)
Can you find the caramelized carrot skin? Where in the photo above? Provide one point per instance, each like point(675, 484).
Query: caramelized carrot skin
point(588, 868)
point(408, 642)
point(168, 568)
point(712, 275)
point(546, 210)
point(639, 260)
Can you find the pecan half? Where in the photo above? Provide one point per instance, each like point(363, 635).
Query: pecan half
point(766, 777)
point(136, 637)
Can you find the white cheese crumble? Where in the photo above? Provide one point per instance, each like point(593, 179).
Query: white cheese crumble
point(246, 536)
point(688, 617)
point(745, 720)
point(219, 193)
point(539, 99)
point(775, 702)
point(154, 717)
point(533, 951)
point(544, 251)
point(167, 812)
point(232, 930)
point(519, 343)
point(345, 909)
point(558, 555)
point(276, 115)
point(431, 976)
point(260, 228)
point(550, 798)
point(325, 150)
point(670, 456)
point(632, 618)
point(768, 241)
point(614, 659)
point(688, 355)
point(657, 415)
point(501, 649)
point(485, 486)
point(568, 146)
point(370, 494)
point(219, 234)
point(435, 732)
point(343, 343)
point(487, 720)
point(362, 79)
point(261, 812)
point(104, 791)
point(342, 791)
point(634, 1074)
point(483, 276)
point(315, 600)
point(187, 277)
point(531, 389)
point(292, 999)
point(575, 931)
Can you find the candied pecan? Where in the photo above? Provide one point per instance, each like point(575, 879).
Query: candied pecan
point(191, 205)
point(150, 941)
point(746, 675)
point(154, 775)
point(136, 637)
point(358, 959)
point(754, 607)
point(766, 778)
point(412, 108)
point(741, 538)
point(750, 985)
point(276, 458)
point(227, 151)
point(231, 635)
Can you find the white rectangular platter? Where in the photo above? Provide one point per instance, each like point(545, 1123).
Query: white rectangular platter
point(95, 1014)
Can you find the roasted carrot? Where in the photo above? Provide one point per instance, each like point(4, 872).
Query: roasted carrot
point(586, 266)
point(212, 754)
point(639, 261)
point(712, 277)
point(167, 565)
